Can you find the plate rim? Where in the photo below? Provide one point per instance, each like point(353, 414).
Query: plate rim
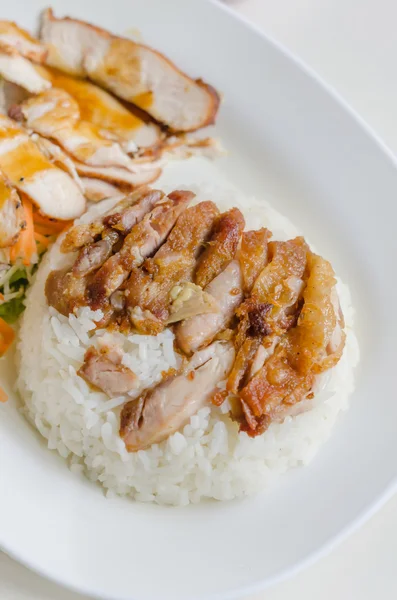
point(381, 498)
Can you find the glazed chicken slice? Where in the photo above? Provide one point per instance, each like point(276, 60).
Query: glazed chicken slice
point(142, 241)
point(56, 115)
point(20, 40)
point(12, 218)
point(30, 171)
point(123, 216)
point(19, 70)
point(314, 345)
point(162, 411)
point(221, 248)
point(104, 111)
point(141, 175)
point(200, 330)
point(131, 71)
point(253, 255)
point(172, 264)
point(103, 369)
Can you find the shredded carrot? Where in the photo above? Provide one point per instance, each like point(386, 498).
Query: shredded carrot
point(42, 239)
point(25, 247)
point(3, 395)
point(7, 336)
point(51, 226)
point(1, 298)
point(44, 230)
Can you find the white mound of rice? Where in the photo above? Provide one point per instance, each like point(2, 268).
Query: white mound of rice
point(208, 459)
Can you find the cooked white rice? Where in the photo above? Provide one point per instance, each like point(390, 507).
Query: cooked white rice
point(208, 459)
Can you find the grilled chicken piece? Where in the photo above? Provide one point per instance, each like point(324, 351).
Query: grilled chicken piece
point(124, 215)
point(50, 188)
point(103, 369)
point(143, 239)
point(91, 257)
point(131, 71)
point(11, 214)
point(96, 190)
point(272, 307)
point(67, 289)
point(55, 114)
point(19, 70)
point(20, 40)
point(253, 255)
point(173, 263)
point(142, 174)
point(105, 112)
point(319, 334)
point(162, 411)
point(222, 246)
point(64, 291)
point(313, 346)
point(226, 289)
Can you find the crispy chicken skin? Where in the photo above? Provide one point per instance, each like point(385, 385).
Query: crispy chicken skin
point(162, 411)
point(253, 255)
point(12, 218)
point(221, 248)
point(131, 71)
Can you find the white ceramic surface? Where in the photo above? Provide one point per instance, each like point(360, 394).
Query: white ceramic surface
point(293, 142)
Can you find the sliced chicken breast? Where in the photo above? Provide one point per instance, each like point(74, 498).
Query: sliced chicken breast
point(19, 70)
point(50, 188)
point(162, 411)
point(198, 331)
point(105, 112)
point(20, 40)
point(143, 175)
point(131, 71)
point(58, 157)
point(12, 218)
point(55, 114)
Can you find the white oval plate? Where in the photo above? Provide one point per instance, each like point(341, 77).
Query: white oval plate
point(294, 142)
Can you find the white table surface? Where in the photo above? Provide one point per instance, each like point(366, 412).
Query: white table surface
point(352, 44)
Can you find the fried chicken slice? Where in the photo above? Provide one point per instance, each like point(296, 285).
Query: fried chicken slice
point(172, 264)
point(221, 248)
